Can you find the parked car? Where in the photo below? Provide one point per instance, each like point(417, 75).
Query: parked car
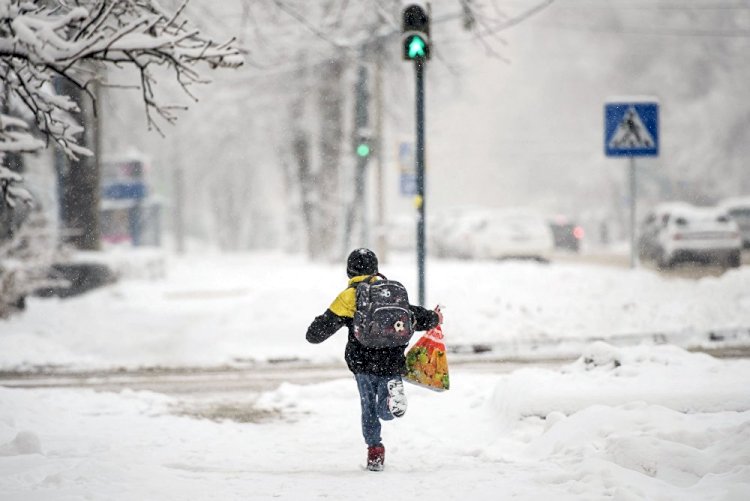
point(566, 234)
point(651, 226)
point(447, 229)
point(493, 234)
point(739, 210)
point(465, 234)
point(696, 234)
point(515, 234)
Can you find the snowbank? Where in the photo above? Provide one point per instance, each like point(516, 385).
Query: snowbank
point(664, 375)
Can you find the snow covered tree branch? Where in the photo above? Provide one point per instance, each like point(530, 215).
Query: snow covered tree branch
point(42, 41)
point(14, 137)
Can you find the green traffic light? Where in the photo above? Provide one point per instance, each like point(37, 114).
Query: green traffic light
point(417, 47)
point(363, 150)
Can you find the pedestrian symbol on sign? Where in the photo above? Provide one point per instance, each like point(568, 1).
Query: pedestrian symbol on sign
point(631, 133)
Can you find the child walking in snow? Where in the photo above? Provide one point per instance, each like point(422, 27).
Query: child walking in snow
point(377, 371)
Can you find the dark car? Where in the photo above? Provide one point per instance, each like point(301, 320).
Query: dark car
point(567, 235)
point(739, 210)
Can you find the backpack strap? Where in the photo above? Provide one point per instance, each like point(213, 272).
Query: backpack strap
point(367, 279)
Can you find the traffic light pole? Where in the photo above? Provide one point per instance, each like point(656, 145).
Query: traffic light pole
point(419, 65)
point(415, 29)
point(358, 204)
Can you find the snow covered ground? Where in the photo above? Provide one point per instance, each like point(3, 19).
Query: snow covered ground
point(638, 422)
point(213, 310)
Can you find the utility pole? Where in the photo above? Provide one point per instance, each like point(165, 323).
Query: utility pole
point(381, 239)
point(362, 148)
point(179, 204)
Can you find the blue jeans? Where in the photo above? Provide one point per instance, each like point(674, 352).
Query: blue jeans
point(373, 395)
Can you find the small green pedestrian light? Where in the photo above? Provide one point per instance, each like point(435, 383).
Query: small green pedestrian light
point(363, 150)
point(417, 47)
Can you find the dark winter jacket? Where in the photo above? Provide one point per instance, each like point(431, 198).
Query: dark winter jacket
point(361, 359)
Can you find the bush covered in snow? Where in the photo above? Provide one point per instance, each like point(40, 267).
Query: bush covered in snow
point(25, 260)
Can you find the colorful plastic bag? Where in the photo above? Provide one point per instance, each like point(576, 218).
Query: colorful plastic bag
point(427, 362)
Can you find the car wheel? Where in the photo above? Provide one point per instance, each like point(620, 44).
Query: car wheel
point(662, 261)
point(734, 260)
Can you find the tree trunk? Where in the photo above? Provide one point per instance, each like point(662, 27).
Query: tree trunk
point(301, 149)
point(11, 218)
point(80, 179)
point(330, 103)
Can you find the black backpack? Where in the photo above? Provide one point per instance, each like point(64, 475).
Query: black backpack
point(382, 318)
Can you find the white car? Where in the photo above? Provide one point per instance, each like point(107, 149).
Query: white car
point(699, 234)
point(739, 210)
point(493, 234)
point(448, 230)
point(651, 228)
point(514, 234)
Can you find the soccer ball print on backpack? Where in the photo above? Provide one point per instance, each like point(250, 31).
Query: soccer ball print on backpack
point(382, 318)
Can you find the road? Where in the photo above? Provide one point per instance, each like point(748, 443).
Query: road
point(207, 380)
point(622, 260)
point(220, 393)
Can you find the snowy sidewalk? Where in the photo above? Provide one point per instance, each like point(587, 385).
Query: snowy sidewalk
point(533, 434)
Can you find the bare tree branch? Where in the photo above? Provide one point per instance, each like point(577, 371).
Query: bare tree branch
point(56, 40)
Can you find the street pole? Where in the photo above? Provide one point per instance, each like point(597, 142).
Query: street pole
point(362, 119)
point(415, 27)
point(179, 206)
point(419, 65)
point(360, 124)
point(381, 241)
point(633, 195)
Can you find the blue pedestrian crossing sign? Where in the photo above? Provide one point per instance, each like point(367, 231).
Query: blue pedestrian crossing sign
point(631, 128)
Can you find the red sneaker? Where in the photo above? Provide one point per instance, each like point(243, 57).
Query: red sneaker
point(376, 457)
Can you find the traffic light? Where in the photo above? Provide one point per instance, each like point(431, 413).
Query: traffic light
point(362, 146)
point(363, 149)
point(415, 28)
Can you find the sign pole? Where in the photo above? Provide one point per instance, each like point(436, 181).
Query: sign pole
point(419, 157)
point(631, 129)
point(633, 195)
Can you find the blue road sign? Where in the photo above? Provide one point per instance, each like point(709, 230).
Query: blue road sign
point(631, 129)
point(134, 190)
point(408, 184)
point(406, 156)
